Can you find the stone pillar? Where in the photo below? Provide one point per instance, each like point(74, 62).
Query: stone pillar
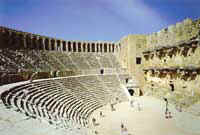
point(49, 40)
point(61, 45)
point(43, 43)
point(66, 44)
point(95, 47)
point(56, 45)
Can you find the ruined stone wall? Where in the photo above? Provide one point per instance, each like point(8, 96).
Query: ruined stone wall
point(181, 31)
point(170, 64)
point(14, 39)
point(23, 53)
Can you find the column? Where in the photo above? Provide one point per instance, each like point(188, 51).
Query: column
point(55, 45)
point(49, 43)
point(43, 43)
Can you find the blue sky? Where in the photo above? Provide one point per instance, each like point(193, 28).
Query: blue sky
point(95, 19)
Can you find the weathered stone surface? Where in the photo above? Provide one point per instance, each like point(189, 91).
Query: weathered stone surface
point(171, 57)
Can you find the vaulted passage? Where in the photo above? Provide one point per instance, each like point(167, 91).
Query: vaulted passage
point(46, 44)
point(88, 47)
point(105, 47)
point(53, 44)
point(84, 47)
point(79, 47)
point(69, 46)
point(64, 45)
point(93, 47)
point(74, 47)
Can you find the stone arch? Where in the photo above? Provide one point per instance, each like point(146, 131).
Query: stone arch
point(101, 47)
point(97, 47)
point(64, 46)
point(79, 46)
point(88, 47)
point(93, 47)
point(109, 45)
point(84, 47)
point(59, 45)
point(69, 46)
point(46, 42)
point(105, 47)
point(40, 43)
point(113, 47)
point(53, 44)
point(74, 46)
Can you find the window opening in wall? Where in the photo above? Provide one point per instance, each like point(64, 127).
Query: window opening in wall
point(74, 46)
point(138, 60)
point(79, 47)
point(88, 47)
point(69, 47)
point(64, 46)
point(84, 47)
point(102, 71)
point(105, 47)
point(93, 47)
point(131, 92)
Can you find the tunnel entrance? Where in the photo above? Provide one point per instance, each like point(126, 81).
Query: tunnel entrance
point(131, 92)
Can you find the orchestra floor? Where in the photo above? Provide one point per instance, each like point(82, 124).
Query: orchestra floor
point(150, 120)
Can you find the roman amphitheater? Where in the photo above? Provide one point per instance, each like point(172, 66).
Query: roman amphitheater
point(139, 85)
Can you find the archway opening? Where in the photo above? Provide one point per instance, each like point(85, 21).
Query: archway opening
point(131, 92)
point(105, 47)
point(69, 46)
point(64, 45)
point(79, 47)
point(88, 47)
point(74, 46)
point(93, 47)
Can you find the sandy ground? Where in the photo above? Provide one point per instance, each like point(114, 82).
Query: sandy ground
point(148, 121)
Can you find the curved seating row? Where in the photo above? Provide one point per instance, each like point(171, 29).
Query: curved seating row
point(13, 60)
point(62, 101)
